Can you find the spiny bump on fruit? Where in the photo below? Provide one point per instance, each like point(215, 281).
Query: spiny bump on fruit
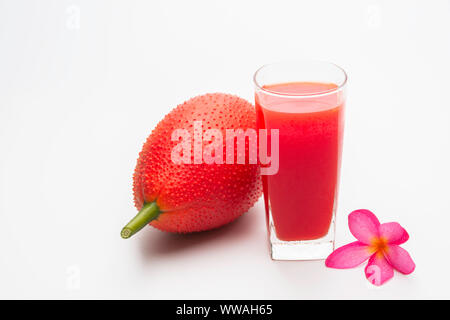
point(195, 197)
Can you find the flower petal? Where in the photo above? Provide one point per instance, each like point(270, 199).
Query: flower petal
point(400, 259)
point(348, 256)
point(378, 270)
point(393, 233)
point(363, 225)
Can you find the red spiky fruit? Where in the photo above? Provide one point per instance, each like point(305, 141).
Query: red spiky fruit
point(194, 197)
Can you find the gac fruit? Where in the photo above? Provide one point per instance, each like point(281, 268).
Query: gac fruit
point(191, 197)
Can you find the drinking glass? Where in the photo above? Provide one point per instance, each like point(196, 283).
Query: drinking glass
point(303, 103)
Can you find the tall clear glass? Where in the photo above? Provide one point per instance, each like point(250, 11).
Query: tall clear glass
point(304, 101)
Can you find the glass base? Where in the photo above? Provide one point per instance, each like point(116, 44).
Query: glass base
point(317, 249)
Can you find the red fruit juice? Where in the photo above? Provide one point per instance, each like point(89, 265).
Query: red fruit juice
point(302, 194)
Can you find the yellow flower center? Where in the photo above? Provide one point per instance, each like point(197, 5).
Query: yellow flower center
point(379, 245)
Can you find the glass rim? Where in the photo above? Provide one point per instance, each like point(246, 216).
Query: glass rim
point(339, 87)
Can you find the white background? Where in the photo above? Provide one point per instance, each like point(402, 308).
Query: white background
point(82, 84)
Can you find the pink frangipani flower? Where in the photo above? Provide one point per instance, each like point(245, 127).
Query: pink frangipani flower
point(377, 242)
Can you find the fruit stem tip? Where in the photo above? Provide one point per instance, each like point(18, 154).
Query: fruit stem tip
point(149, 212)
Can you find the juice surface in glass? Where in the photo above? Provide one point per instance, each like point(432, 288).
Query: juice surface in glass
point(302, 194)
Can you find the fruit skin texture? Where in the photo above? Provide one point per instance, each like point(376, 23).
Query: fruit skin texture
point(197, 197)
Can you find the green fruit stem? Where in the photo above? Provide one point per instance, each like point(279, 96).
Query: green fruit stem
point(150, 211)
